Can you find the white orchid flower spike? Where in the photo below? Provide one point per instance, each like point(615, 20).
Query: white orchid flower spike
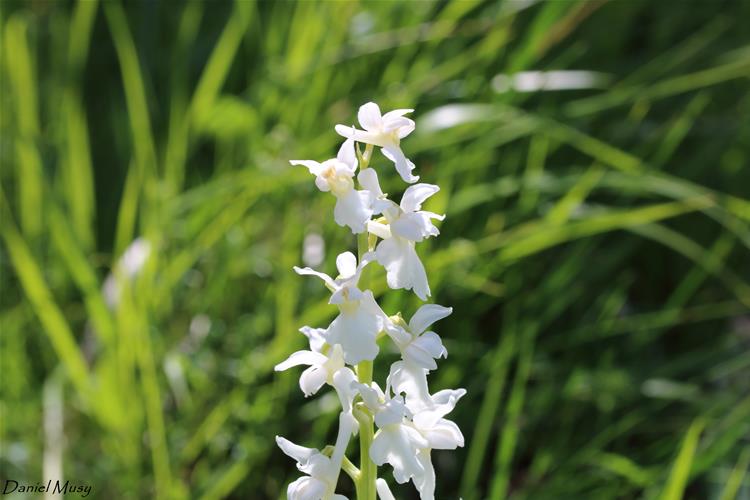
point(410, 421)
point(386, 132)
point(406, 225)
point(353, 208)
point(360, 318)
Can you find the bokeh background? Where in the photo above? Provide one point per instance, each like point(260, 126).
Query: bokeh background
point(593, 160)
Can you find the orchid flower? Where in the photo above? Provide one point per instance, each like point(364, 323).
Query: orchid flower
point(360, 318)
point(417, 345)
point(406, 225)
point(427, 412)
point(396, 442)
point(386, 132)
point(319, 469)
point(353, 208)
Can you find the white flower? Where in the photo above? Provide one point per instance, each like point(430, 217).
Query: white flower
point(427, 412)
point(396, 442)
point(322, 367)
point(385, 131)
point(442, 434)
point(360, 318)
point(353, 208)
point(320, 470)
point(406, 225)
point(418, 346)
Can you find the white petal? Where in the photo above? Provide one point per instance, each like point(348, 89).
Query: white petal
point(415, 195)
point(301, 358)
point(306, 271)
point(346, 263)
point(370, 305)
point(313, 166)
point(401, 337)
point(397, 445)
point(371, 395)
point(384, 492)
point(405, 130)
point(420, 357)
point(392, 412)
point(315, 336)
point(432, 215)
point(362, 136)
point(396, 123)
point(448, 397)
point(356, 332)
point(346, 294)
point(426, 316)
point(379, 229)
point(369, 116)
point(439, 405)
point(414, 226)
point(299, 453)
point(396, 113)
point(402, 265)
point(312, 380)
point(395, 119)
point(342, 382)
point(409, 226)
point(353, 210)
point(444, 435)
point(425, 483)
point(346, 154)
point(368, 178)
point(409, 379)
point(425, 349)
point(322, 184)
point(403, 166)
point(387, 207)
point(306, 488)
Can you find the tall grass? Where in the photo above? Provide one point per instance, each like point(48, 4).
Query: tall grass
point(597, 252)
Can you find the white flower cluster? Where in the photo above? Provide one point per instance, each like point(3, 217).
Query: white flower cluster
point(411, 422)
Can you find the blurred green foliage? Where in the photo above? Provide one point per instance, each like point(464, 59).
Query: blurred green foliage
point(596, 249)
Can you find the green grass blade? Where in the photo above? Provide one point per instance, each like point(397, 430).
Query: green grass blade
point(680, 474)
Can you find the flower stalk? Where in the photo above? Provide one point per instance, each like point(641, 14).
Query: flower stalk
point(366, 485)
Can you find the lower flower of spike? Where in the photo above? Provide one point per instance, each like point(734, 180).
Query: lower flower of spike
point(319, 469)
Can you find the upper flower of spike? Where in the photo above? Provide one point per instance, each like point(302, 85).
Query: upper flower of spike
point(385, 131)
point(407, 224)
point(353, 208)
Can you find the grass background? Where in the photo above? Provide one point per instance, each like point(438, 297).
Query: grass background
point(596, 249)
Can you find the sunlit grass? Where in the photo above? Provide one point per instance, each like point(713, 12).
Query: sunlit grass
point(596, 252)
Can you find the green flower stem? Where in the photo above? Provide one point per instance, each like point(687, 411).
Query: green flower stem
point(368, 470)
